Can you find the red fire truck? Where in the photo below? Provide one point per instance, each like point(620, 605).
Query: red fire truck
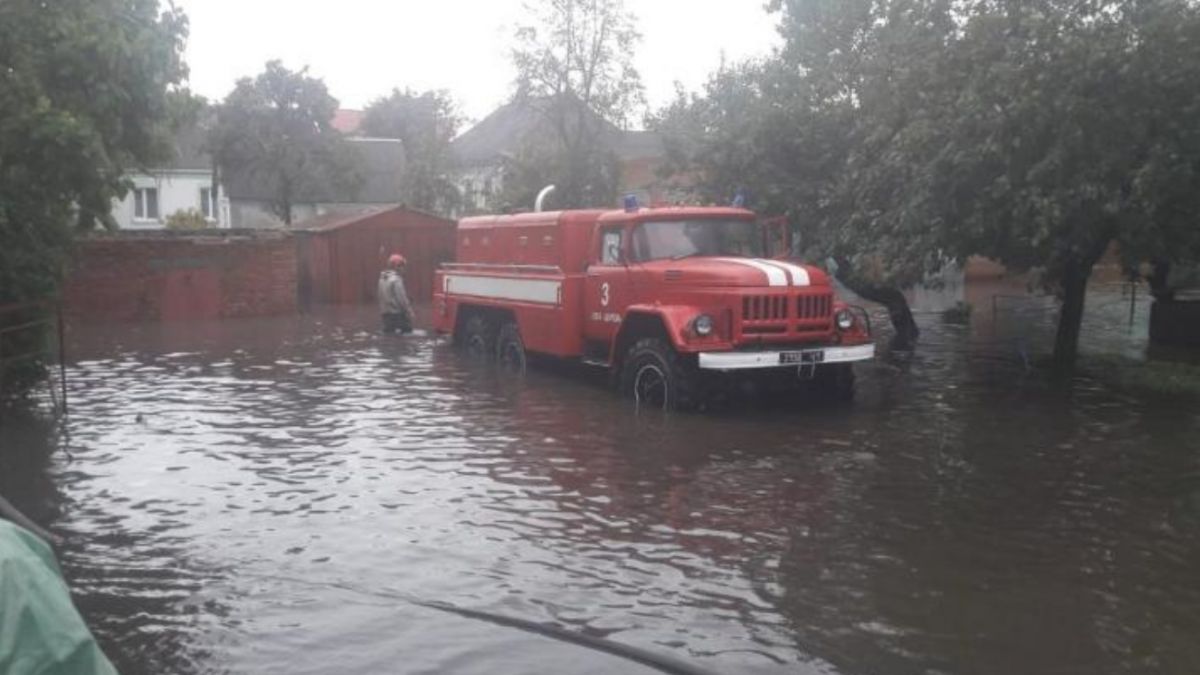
point(670, 300)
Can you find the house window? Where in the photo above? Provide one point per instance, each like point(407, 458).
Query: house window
point(145, 203)
point(207, 205)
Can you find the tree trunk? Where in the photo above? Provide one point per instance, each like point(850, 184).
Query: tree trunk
point(1070, 319)
point(888, 296)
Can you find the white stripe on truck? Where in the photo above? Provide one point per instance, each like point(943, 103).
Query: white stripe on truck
point(777, 271)
point(799, 274)
point(542, 291)
point(775, 276)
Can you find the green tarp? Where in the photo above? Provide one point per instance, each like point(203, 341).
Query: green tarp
point(41, 633)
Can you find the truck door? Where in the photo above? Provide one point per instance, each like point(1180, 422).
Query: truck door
point(606, 287)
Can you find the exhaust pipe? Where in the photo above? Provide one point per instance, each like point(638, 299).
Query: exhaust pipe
point(541, 198)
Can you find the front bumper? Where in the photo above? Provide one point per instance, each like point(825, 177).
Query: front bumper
point(788, 358)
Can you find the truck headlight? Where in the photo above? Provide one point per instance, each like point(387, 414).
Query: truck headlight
point(845, 320)
point(703, 325)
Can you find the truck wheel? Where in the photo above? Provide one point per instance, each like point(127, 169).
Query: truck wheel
point(479, 338)
point(655, 376)
point(510, 349)
point(836, 381)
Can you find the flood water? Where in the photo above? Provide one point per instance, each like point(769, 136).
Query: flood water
point(270, 496)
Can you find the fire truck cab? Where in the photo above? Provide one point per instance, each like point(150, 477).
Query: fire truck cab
point(668, 299)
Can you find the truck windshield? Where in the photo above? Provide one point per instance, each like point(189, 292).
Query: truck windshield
point(682, 238)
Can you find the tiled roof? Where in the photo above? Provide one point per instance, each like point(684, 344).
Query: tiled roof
point(347, 121)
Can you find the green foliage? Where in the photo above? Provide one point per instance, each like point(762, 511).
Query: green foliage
point(83, 99)
point(1171, 379)
point(426, 123)
point(188, 219)
point(277, 129)
point(24, 347)
point(909, 133)
point(575, 69)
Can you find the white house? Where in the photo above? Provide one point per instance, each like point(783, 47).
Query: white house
point(181, 184)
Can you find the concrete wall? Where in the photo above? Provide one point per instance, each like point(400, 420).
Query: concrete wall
point(178, 190)
point(168, 276)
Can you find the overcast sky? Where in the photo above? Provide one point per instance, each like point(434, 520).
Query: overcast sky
point(364, 48)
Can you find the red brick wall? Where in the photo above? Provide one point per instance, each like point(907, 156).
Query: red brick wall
point(167, 277)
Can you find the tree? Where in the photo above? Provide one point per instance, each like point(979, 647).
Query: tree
point(426, 123)
point(575, 69)
point(83, 100)
point(187, 219)
point(863, 63)
point(1035, 133)
point(277, 130)
point(904, 134)
point(783, 136)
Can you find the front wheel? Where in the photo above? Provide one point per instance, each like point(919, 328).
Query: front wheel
point(510, 349)
point(655, 376)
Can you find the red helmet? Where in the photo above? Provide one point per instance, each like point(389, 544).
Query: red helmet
point(396, 260)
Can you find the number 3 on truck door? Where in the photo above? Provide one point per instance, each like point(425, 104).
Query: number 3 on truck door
point(606, 288)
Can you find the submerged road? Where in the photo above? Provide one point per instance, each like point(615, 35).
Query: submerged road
point(272, 497)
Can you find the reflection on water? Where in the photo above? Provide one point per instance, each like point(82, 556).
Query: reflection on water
point(262, 496)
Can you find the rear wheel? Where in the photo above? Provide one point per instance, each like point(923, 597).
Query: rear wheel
point(835, 381)
point(510, 349)
point(655, 376)
point(478, 338)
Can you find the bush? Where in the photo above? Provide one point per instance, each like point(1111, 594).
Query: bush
point(23, 352)
point(191, 219)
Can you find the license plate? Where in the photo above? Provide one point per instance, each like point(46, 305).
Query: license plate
point(801, 357)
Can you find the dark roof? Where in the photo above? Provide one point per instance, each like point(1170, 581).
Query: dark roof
point(513, 124)
point(409, 217)
point(381, 168)
point(501, 132)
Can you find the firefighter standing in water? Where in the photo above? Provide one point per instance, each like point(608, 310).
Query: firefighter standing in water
point(393, 300)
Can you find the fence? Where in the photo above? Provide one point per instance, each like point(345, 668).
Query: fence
point(31, 338)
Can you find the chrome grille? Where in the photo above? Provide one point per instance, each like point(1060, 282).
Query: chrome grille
point(765, 307)
point(814, 306)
